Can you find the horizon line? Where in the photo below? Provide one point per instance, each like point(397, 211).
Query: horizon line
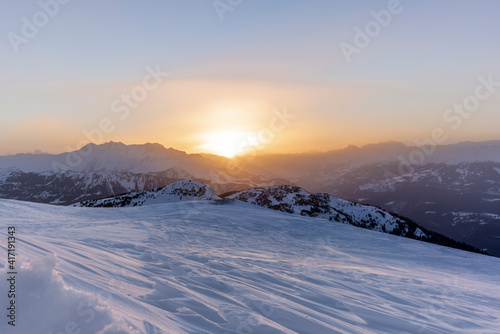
point(350, 146)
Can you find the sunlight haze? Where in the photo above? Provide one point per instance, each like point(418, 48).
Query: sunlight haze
point(93, 63)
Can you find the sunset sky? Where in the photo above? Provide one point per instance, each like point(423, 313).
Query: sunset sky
point(235, 70)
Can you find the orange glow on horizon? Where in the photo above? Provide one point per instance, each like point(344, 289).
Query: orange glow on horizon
point(227, 143)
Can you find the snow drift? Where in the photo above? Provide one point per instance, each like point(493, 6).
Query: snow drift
point(46, 304)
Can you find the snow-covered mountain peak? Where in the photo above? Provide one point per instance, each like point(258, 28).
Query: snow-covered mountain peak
point(110, 156)
point(185, 190)
point(117, 156)
point(297, 201)
point(190, 190)
point(135, 148)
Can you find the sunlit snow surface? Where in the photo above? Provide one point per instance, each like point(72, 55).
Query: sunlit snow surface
point(198, 267)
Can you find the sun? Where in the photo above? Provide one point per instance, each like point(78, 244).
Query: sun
point(227, 143)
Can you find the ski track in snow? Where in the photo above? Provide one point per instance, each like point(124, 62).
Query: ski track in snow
point(197, 267)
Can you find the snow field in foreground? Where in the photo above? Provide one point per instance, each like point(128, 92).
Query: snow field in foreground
point(197, 267)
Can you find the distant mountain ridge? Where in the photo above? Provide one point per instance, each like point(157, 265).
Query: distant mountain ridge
point(97, 171)
point(91, 158)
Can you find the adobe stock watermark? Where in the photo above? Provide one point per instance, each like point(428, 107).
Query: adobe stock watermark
point(32, 26)
point(121, 107)
point(454, 117)
point(364, 37)
point(224, 6)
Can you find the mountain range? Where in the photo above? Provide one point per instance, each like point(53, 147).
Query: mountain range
point(450, 189)
point(97, 171)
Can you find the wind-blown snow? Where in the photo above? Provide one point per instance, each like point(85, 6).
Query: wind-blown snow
point(203, 267)
point(41, 290)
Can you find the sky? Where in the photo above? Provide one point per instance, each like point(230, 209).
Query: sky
point(222, 76)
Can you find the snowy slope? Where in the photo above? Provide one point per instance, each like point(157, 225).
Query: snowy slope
point(201, 267)
point(286, 199)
